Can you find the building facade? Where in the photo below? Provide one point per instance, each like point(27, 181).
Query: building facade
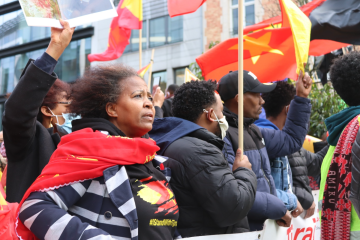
point(177, 41)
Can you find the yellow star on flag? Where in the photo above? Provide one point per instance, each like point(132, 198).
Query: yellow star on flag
point(257, 46)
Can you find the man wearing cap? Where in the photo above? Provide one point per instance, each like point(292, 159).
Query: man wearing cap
point(260, 144)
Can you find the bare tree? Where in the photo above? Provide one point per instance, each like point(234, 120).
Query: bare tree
point(272, 7)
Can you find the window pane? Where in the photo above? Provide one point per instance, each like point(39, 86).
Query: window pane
point(134, 39)
point(249, 15)
point(163, 81)
point(157, 31)
point(175, 29)
point(234, 2)
point(70, 65)
point(14, 30)
point(74, 61)
point(235, 21)
point(179, 76)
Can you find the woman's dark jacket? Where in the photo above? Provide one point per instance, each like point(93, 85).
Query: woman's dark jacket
point(29, 144)
point(303, 164)
point(211, 198)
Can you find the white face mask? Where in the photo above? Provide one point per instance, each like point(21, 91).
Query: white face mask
point(53, 115)
point(224, 125)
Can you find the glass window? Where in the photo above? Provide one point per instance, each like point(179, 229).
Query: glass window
point(158, 31)
point(175, 29)
point(134, 39)
point(164, 30)
point(14, 30)
point(70, 65)
point(163, 82)
point(179, 76)
point(249, 15)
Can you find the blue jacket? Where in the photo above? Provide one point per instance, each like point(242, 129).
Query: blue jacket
point(281, 172)
point(262, 144)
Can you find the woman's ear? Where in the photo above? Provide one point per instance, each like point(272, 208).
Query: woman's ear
point(111, 110)
point(45, 111)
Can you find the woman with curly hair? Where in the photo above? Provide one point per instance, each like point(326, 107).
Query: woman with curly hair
point(103, 182)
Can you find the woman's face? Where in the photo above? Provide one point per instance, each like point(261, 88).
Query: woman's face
point(133, 113)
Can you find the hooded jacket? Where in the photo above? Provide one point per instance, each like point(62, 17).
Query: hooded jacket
point(211, 198)
point(260, 145)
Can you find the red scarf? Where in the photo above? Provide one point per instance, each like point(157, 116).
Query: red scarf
point(336, 206)
point(84, 155)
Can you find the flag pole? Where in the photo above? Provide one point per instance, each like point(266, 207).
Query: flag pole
point(140, 48)
point(240, 75)
point(150, 70)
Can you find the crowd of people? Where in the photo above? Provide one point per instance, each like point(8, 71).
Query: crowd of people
point(103, 158)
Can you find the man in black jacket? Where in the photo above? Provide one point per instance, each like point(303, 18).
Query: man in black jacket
point(212, 198)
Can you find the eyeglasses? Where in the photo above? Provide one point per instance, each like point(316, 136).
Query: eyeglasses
point(62, 102)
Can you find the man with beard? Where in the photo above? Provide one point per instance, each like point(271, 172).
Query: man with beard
point(212, 198)
point(262, 144)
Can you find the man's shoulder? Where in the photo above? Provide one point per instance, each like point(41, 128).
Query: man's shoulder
point(189, 147)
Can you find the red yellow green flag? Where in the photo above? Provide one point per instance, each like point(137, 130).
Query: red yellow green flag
point(129, 17)
point(142, 71)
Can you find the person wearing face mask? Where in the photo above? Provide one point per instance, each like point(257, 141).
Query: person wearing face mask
point(29, 124)
point(212, 198)
point(104, 181)
point(262, 144)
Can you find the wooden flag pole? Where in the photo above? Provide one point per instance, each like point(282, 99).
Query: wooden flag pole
point(140, 48)
point(240, 75)
point(150, 70)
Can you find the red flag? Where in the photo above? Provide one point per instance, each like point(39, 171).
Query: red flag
point(317, 47)
point(181, 7)
point(129, 17)
point(85, 154)
point(268, 53)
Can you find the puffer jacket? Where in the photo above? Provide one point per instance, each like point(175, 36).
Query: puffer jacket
point(212, 199)
point(303, 164)
point(260, 144)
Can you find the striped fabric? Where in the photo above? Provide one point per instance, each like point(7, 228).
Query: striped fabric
point(97, 209)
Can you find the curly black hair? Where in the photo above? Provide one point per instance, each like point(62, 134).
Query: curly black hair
point(345, 77)
point(99, 86)
point(277, 99)
point(192, 97)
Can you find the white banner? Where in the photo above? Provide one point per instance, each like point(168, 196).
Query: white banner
point(300, 229)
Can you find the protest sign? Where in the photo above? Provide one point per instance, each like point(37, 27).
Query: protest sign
point(300, 229)
point(46, 13)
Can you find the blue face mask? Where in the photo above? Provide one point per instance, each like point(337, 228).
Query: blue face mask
point(66, 128)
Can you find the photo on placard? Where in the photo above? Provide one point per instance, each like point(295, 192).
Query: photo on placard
point(41, 8)
point(46, 13)
point(77, 8)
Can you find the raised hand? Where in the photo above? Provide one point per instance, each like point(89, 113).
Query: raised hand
point(60, 39)
point(303, 85)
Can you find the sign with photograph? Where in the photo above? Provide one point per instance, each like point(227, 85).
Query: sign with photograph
point(46, 13)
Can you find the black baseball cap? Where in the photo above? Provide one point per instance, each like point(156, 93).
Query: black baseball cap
point(228, 85)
